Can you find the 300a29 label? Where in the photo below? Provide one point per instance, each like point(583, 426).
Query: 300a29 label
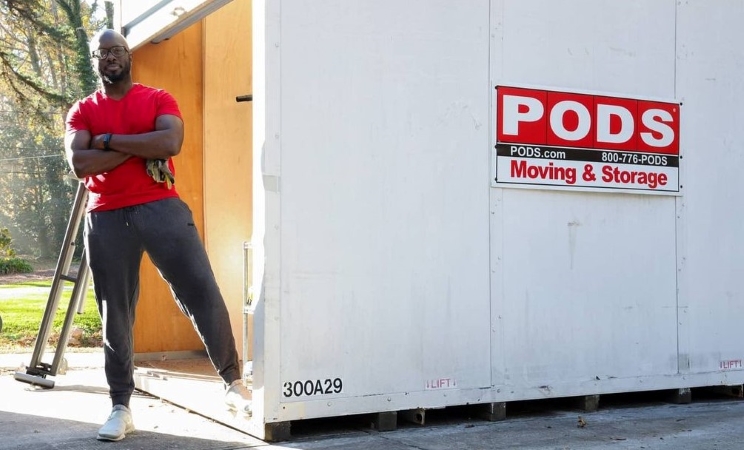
point(307, 388)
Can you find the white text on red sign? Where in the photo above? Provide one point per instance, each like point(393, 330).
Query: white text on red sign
point(563, 119)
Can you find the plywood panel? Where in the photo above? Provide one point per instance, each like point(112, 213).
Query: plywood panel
point(227, 149)
point(174, 65)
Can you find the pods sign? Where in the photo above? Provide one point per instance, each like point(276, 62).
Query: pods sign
point(550, 138)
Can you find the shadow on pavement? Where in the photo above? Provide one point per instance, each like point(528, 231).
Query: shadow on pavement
point(21, 431)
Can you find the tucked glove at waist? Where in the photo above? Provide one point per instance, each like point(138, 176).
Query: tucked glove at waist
point(159, 171)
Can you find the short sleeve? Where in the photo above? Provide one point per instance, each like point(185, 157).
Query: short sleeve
point(75, 120)
point(167, 104)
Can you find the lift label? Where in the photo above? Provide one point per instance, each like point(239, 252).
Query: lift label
point(308, 388)
point(553, 138)
point(730, 364)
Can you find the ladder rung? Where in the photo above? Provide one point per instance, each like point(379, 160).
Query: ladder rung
point(68, 278)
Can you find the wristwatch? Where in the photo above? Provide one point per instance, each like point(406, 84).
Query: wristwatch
point(106, 141)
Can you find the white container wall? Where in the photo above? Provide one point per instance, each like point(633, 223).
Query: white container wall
point(392, 271)
point(584, 283)
point(709, 64)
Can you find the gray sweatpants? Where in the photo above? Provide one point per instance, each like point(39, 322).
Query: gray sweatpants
point(115, 241)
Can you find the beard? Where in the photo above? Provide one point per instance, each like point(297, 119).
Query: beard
point(116, 77)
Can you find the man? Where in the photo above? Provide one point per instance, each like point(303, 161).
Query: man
point(120, 140)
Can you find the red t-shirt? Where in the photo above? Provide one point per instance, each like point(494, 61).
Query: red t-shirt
point(127, 184)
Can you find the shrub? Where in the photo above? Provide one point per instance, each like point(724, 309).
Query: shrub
point(9, 263)
point(6, 250)
point(14, 265)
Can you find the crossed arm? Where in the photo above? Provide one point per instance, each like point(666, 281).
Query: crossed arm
point(87, 157)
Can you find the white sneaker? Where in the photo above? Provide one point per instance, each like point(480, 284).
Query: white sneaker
point(118, 424)
point(238, 398)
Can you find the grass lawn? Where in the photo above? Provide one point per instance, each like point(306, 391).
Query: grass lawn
point(22, 308)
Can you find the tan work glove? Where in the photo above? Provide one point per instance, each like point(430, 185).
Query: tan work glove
point(159, 171)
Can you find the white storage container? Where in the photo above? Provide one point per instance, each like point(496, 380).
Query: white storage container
point(393, 271)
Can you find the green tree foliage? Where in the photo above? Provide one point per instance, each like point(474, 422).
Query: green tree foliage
point(44, 53)
point(36, 197)
point(9, 263)
point(5, 240)
point(44, 67)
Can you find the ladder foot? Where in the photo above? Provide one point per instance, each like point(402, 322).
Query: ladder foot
point(34, 380)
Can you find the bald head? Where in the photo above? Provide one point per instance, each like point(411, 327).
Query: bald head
point(112, 59)
point(107, 38)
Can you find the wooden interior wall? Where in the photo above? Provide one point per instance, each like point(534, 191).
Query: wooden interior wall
point(228, 151)
point(174, 65)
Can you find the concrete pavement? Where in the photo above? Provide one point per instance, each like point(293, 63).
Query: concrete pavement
point(68, 416)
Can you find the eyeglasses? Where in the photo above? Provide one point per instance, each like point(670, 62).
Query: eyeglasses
point(117, 50)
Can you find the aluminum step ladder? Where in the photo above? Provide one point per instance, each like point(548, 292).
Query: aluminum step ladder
point(37, 371)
